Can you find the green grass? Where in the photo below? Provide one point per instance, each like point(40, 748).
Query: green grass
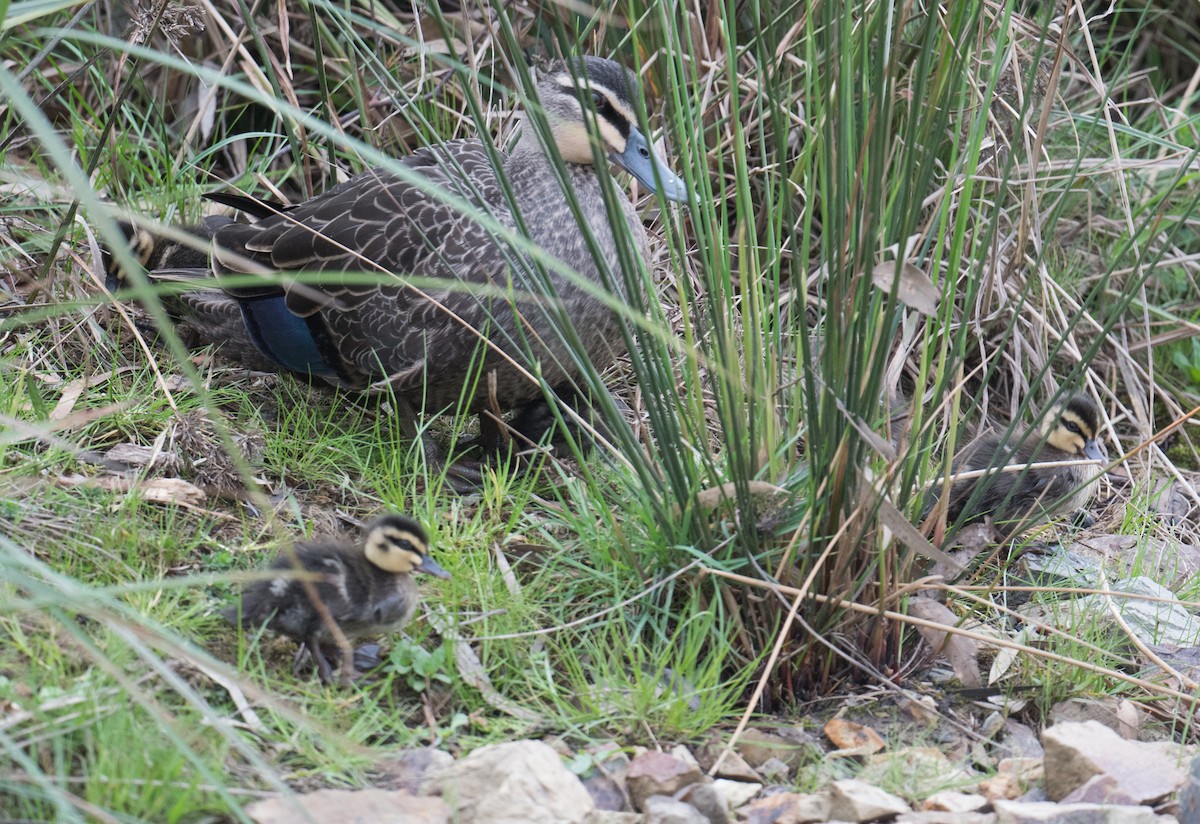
point(762, 358)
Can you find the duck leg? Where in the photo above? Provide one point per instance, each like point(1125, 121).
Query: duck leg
point(324, 670)
point(463, 475)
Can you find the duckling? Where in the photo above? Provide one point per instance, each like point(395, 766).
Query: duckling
point(428, 346)
point(1022, 498)
point(363, 589)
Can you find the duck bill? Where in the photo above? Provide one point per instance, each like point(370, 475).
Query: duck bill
point(1092, 450)
point(432, 567)
point(640, 161)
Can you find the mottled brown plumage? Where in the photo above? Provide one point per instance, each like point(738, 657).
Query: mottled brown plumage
point(363, 589)
point(1021, 498)
point(425, 342)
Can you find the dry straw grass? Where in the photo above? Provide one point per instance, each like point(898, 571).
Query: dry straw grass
point(1057, 226)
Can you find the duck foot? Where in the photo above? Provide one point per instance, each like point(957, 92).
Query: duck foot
point(368, 657)
point(347, 672)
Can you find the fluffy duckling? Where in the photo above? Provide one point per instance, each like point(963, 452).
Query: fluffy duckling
point(1020, 498)
point(364, 589)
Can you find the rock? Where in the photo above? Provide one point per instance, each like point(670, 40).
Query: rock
point(351, 807)
point(1189, 796)
point(1161, 621)
point(1047, 812)
point(1118, 714)
point(922, 768)
point(1021, 741)
point(685, 755)
point(928, 817)
point(412, 769)
point(707, 801)
point(853, 800)
point(1099, 789)
point(519, 782)
point(735, 768)
point(605, 791)
point(792, 746)
point(1077, 751)
point(733, 793)
point(656, 773)
point(605, 781)
point(852, 738)
point(788, 808)
point(659, 809)
point(774, 769)
point(1012, 777)
point(952, 802)
point(612, 817)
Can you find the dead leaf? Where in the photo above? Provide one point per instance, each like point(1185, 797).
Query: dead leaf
point(73, 389)
point(1006, 655)
point(852, 739)
point(66, 401)
point(915, 291)
point(959, 650)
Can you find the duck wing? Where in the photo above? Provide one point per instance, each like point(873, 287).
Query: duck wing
point(375, 223)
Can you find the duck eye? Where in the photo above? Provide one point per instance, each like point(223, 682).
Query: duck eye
point(406, 545)
point(1073, 427)
point(597, 100)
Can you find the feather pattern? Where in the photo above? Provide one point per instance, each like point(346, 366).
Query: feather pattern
point(428, 342)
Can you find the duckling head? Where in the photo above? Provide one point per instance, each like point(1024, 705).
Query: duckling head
point(1075, 429)
point(398, 545)
point(609, 89)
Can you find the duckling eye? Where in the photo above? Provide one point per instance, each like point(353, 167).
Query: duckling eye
point(597, 100)
point(405, 545)
point(1072, 427)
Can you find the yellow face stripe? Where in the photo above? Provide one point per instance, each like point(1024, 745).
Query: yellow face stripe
point(394, 550)
point(610, 132)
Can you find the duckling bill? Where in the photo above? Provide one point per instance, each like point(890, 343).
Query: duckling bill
point(1021, 498)
point(364, 589)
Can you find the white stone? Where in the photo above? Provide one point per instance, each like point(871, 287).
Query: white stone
point(519, 782)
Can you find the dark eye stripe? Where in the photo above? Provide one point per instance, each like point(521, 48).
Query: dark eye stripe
point(605, 109)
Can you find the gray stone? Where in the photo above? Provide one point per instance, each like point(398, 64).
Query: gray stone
point(605, 780)
point(605, 791)
point(351, 807)
point(1118, 714)
point(1099, 789)
point(708, 801)
point(1077, 751)
point(735, 768)
point(787, 808)
point(792, 746)
point(659, 809)
point(773, 769)
point(1047, 812)
point(411, 770)
point(1189, 796)
point(735, 793)
point(852, 800)
point(1021, 741)
point(656, 773)
point(948, 801)
point(519, 782)
point(935, 817)
point(612, 817)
